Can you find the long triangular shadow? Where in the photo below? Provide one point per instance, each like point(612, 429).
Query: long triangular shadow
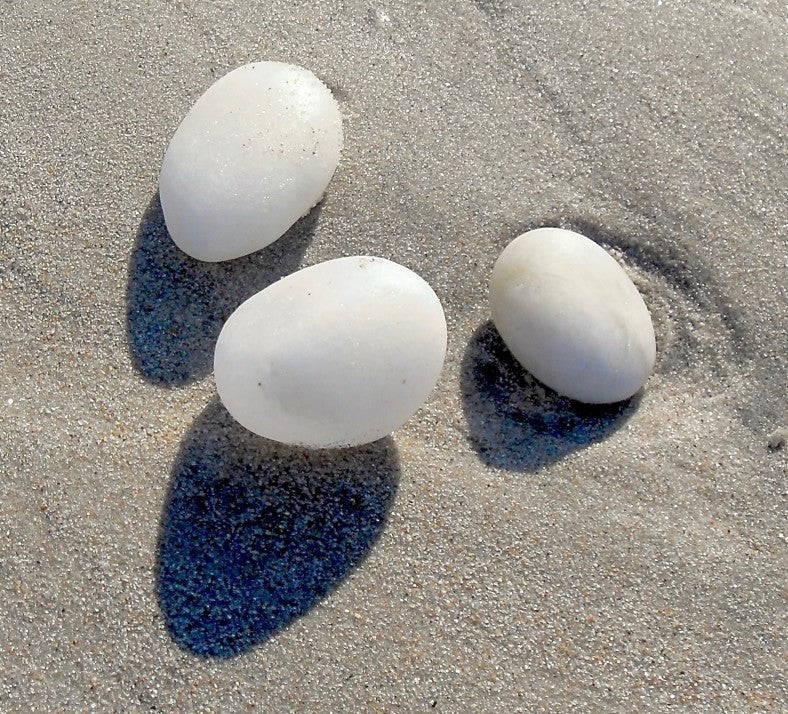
point(254, 533)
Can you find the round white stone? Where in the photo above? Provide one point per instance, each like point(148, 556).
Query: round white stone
point(251, 157)
point(338, 354)
point(572, 317)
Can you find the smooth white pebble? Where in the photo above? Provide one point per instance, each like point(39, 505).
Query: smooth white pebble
point(338, 354)
point(572, 317)
point(254, 154)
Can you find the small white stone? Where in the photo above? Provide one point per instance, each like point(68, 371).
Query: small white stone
point(338, 354)
point(572, 317)
point(251, 157)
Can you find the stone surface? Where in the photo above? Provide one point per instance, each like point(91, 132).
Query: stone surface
point(571, 316)
point(251, 157)
point(341, 353)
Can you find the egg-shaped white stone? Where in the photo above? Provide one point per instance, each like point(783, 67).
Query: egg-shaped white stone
point(253, 155)
point(572, 317)
point(338, 354)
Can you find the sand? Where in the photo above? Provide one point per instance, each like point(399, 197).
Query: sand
point(505, 551)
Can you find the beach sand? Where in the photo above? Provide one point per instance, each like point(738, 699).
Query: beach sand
point(506, 550)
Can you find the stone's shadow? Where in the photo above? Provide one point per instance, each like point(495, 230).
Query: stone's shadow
point(517, 423)
point(255, 533)
point(176, 305)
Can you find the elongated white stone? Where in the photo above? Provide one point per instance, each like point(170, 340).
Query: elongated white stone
point(571, 316)
point(252, 156)
point(341, 353)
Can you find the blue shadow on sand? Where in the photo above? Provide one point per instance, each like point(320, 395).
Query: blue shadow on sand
point(176, 306)
point(255, 533)
point(517, 423)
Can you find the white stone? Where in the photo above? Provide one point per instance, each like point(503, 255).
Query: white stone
point(251, 157)
point(572, 317)
point(338, 354)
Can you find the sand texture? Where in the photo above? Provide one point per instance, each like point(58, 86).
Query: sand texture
point(507, 550)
